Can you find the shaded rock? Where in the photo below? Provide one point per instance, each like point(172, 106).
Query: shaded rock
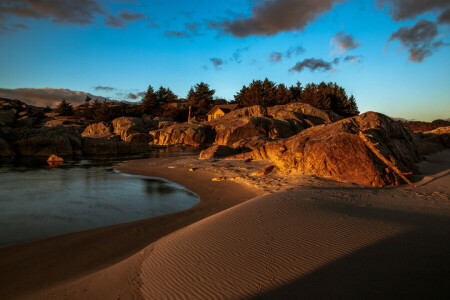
point(128, 126)
point(8, 117)
point(54, 159)
point(193, 134)
point(100, 145)
point(110, 145)
point(217, 151)
point(336, 150)
point(6, 151)
point(250, 144)
point(439, 136)
point(66, 121)
point(27, 121)
point(46, 141)
point(164, 124)
point(139, 138)
point(101, 128)
point(231, 130)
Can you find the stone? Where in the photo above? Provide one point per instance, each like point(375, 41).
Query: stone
point(217, 151)
point(128, 126)
point(55, 159)
point(192, 134)
point(264, 172)
point(101, 128)
point(336, 151)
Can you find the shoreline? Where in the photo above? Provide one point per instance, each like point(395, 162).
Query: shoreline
point(289, 237)
point(43, 264)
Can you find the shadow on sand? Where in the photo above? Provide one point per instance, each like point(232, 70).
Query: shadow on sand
point(412, 265)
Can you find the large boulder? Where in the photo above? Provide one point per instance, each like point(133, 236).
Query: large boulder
point(100, 145)
point(193, 134)
point(337, 151)
point(217, 151)
point(47, 141)
point(278, 122)
point(5, 149)
point(101, 128)
point(126, 127)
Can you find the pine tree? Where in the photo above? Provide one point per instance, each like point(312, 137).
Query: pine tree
point(200, 91)
point(283, 95)
point(64, 108)
point(149, 103)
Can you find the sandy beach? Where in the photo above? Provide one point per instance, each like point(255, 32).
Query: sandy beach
point(275, 237)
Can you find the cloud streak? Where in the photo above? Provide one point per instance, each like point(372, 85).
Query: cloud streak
point(343, 42)
point(46, 96)
point(124, 17)
point(418, 39)
point(409, 9)
point(314, 64)
point(80, 12)
point(217, 63)
point(275, 16)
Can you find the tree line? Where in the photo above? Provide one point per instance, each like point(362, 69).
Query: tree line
point(200, 98)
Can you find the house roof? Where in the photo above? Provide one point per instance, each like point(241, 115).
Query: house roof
point(226, 108)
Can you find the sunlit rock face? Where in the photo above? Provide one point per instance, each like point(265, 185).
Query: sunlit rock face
point(193, 134)
point(131, 129)
point(276, 122)
point(335, 150)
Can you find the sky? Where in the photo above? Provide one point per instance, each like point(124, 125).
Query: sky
point(392, 55)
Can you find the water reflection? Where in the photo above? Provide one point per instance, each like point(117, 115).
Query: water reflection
point(38, 201)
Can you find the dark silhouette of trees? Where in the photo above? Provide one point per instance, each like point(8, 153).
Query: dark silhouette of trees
point(164, 95)
point(64, 108)
point(199, 92)
point(328, 96)
point(200, 98)
point(149, 103)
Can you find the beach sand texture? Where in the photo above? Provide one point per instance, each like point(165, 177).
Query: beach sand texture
point(308, 239)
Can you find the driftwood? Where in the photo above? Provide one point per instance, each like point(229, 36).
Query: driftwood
point(390, 164)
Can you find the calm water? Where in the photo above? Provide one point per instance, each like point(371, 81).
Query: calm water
point(38, 201)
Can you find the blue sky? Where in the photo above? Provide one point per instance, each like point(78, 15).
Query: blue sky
point(171, 43)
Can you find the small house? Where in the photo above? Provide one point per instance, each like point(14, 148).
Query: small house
point(220, 110)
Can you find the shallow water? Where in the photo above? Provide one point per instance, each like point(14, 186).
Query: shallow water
point(38, 201)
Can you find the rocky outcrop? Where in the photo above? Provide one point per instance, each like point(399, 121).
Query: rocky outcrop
point(217, 151)
point(193, 134)
point(439, 136)
point(6, 151)
point(8, 117)
point(336, 151)
point(46, 141)
point(101, 128)
point(131, 129)
point(278, 122)
point(26, 121)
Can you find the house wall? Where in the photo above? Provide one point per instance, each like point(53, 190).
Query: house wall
point(217, 114)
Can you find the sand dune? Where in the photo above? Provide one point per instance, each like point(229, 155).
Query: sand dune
point(305, 238)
